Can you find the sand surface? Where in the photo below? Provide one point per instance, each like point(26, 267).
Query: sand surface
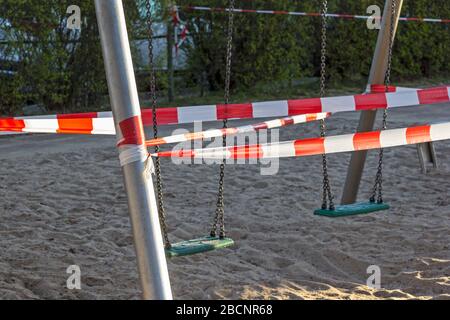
point(63, 203)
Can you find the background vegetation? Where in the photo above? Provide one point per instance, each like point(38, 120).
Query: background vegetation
point(273, 55)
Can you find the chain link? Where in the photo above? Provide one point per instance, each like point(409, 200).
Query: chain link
point(378, 186)
point(159, 185)
point(327, 196)
point(219, 218)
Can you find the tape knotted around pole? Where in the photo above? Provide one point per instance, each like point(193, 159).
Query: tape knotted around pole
point(129, 154)
point(131, 143)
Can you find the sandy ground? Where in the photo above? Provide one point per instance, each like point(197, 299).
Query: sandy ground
point(63, 203)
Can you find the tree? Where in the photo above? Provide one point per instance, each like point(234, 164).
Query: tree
point(279, 48)
point(56, 67)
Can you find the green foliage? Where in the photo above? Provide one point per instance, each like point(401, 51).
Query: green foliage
point(281, 48)
point(55, 67)
point(272, 54)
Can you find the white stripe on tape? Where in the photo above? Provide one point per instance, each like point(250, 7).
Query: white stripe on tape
point(245, 129)
point(393, 138)
point(212, 133)
point(103, 126)
point(129, 154)
point(270, 109)
point(41, 125)
point(199, 113)
point(336, 144)
point(283, 149)
point(345, 103)
point(403, 99)
point(213, 153)
point(299, 119)
point(440, 131)
point(274, 123)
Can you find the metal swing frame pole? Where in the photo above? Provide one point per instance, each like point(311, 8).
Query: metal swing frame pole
point(367, 118)
point(148, 242)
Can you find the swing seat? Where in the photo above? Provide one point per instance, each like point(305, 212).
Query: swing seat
point(352, 209)
point(200, 245)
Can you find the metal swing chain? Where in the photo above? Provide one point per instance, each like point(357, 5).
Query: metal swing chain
point(159, 185)
point(219, 218)
point(378, 186)
point(327, 195)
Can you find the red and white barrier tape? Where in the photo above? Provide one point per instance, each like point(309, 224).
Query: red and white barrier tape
point(131, 141)
point(102, 123)
point(285, 108)
point(208, 134)
point(180, 27)
point(317, 146)
point(309, 14)
point(276, 123)
point(82, 123)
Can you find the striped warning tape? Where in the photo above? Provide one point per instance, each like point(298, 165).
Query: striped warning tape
point(102, 122)
point(317, 146)
point(309, 14)
point(83, 123)
point(208, 134)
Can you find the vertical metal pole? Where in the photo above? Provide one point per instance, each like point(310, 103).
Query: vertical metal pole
point(123, 93)
point(367, 119)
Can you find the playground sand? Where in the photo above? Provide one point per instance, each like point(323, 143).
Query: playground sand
point(63, 203)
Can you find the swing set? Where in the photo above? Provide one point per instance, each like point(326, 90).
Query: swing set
point(147, 214)
point(217, 238)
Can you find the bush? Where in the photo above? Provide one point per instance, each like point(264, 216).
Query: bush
point(280, 48)
point(58, 68)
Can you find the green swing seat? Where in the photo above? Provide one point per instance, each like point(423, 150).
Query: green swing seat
point(204, 244)
point(352, 209)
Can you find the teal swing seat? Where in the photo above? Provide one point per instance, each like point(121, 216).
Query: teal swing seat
point(200, 245)
point(352, 209)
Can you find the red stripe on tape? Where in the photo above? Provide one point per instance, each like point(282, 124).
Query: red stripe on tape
point(11, 124)
point(177, 154)
point(163, 116)
point(297, 107)
point(287, 121)
point(435, 95)
point(234, 111)
point(260, 126)
point(132, 131)
point(246, 152)
point(366, 140)
point(311, 117)
point(280, 12)
point(370, 101)
point(308, 147)
point(155, 142)
point(418, 134)
point(75, 125)
point(381, 88)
